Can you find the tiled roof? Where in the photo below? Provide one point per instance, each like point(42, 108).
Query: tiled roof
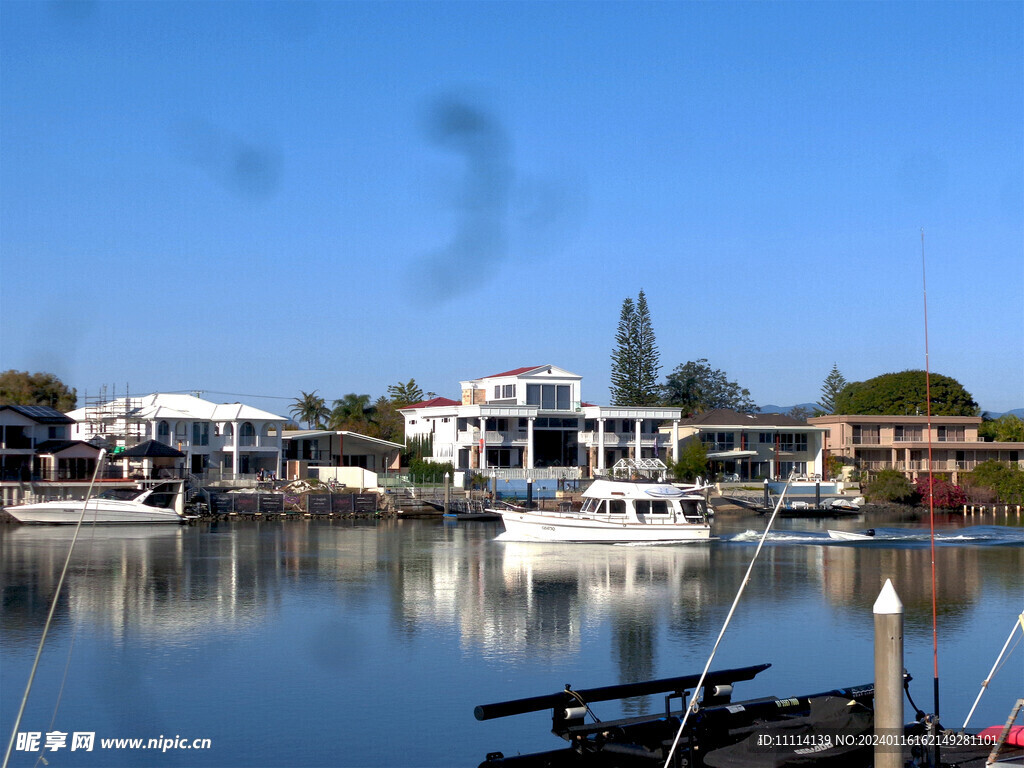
point(432, 403)
point(50, 447)
point(727, 417)
point(513, 372)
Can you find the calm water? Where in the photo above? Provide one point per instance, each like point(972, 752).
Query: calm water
point(348, 644)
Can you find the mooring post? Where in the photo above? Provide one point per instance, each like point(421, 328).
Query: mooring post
point(529, 493)
point(888, 612)
point(817, 495)
point(447, 493)
point(767, 498)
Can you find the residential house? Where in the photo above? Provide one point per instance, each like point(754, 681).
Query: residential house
point(756, 446)
point(225, 439)
point(35, 444)
point(305, 449)
point(532, 422)
point(902, 442)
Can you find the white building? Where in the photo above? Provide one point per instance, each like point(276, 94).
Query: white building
point(225, 437)
point(532, 422)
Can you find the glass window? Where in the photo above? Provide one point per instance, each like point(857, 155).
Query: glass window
point(643, 507)
point(533, 394)
point(563, 397)
point(547, 396)
point(659, 507)
point(616, 506)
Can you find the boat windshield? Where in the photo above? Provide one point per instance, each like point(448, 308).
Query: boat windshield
point(119, 494)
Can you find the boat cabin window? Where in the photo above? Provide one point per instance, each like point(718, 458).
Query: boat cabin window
point(589, 505)
point(653, 507)
point(616, 506)
point(119, 494)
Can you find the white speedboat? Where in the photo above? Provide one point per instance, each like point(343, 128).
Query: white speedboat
point(161, 502)
point(618, 511)
point(852, 535)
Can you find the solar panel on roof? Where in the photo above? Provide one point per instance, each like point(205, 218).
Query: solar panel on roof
point(41, 412)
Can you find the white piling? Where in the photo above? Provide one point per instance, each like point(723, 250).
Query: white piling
point(888, 612)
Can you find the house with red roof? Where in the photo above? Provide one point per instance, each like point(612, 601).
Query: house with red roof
point(532, 422)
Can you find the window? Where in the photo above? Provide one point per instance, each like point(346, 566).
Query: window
point(793, 443)
point(718, 441)
point(616, 506)
point(497, 391)
point(200, 433)
point(950, 434)
point(549, 396)
point(765, 437)
point(57, 433)
point(247, 434)
point(509, 390)
point(163, 432)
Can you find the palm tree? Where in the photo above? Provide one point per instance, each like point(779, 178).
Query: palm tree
point(310, 408)
point(349, 412)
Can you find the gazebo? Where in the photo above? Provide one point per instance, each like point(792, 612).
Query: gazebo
point(152, 459)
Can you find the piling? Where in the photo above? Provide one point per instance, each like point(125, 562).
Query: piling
point(888, 611)
point(447, 494)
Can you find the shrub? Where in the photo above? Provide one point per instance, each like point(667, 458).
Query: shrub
point(890, 485)
point(1004, 481)
point(945, 494)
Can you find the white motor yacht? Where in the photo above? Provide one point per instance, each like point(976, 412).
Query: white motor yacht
point(617, 511)
point(154, 502)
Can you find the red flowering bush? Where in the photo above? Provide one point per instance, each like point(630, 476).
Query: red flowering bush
point(947, 495)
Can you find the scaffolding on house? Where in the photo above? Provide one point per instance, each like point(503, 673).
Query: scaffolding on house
point(114, 420)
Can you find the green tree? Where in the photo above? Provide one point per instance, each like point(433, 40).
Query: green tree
point(407, 393)
point(696, 387)
point(1006, 429)
point(24, 388)
point(350, 413)
point(648, 358)
point(310, 408)
point(830, 389)
point(890, 485)
point(903, 394)
point(1006, 480)
point(692, 463)
point(624, 356)
point(635, 358)
point(385, 421)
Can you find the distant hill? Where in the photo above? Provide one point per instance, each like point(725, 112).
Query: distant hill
point(811, 407)
point(1018, 412)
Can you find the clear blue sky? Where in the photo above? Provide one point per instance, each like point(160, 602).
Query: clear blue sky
point(263, 198)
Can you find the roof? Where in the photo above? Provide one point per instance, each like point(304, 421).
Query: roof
point(152, 449)
point(42, 414)
point(161, 405)
point(434, 402)
point(513, 372)
point(56, 446)
point(726, 417)
point(299, 434)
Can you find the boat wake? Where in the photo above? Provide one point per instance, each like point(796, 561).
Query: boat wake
point(992, 535)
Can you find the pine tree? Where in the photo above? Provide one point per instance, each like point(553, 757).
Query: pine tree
point(831, 387)
point(648, 359)
point(624, 356)
point(635, 359)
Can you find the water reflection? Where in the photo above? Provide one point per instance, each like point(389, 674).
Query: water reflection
point(503, 597)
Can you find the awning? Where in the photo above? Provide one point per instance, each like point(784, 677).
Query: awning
point(731, 454)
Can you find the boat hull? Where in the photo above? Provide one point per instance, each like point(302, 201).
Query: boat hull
point(541, 526)
point(110, 513)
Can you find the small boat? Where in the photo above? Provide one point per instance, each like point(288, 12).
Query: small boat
point(852, 535)
point(149, 502)
point(617, 511)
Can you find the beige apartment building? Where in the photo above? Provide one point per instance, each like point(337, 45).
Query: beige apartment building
point(901, 442)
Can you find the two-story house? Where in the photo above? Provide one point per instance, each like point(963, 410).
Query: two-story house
point(532, 422)
point(215, 437)
point(756, 445)
point(902, 442)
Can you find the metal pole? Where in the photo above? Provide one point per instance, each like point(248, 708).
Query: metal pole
point(447, 497)
point(888, 612)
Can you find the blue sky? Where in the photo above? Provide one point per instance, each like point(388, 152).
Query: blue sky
point(261, 198)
